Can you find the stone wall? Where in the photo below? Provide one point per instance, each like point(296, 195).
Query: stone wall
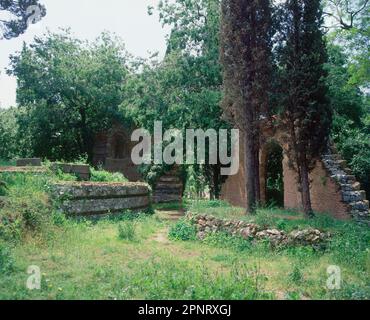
point(207, 224)
point(25, 162)
point(94, 199)
point(28, 169)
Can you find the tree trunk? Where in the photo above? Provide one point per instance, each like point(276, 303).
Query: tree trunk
point(250, 173)
point(216, 181)
point(87, 143)
point(257, 182)
point(305, 186)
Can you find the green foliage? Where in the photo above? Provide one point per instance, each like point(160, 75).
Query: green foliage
point(105, 176)
point(183, 230)
point(170, 279)
point(307, 113)
point(126, 230)
point(183, 90)
point(224, 240)
point(8, 134)
point(351, 29)
point(296, 275)
point(6, 259)
point(353, 143)
point(63, 108)
point(26, 209)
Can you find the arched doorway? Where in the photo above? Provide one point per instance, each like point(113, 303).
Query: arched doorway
point(118, 146)
point(272, 178)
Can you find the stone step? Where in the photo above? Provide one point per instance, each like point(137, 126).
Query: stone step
point(360, 205)
point(342, 163)
point(344, 178)
point(345, 187)
point(347, 171)
point(353, 196)
point(361, 215)
point(169, 179)
point(162, 185)
point(336, 157)
point(167, 191)
point(356, 186)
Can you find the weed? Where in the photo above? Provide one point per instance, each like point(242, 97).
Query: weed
point(105, 176)
point(127, 231)
point(6, 259)
point(183, 230)
point(296, 276)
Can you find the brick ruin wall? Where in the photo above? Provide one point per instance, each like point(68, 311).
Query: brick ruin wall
point(112, 151)
point(334, 190)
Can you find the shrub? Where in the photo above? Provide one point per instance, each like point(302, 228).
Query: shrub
point(126, 231)
point(183, 230)
point(105, 176)
point(296, 276)
point(27, 207)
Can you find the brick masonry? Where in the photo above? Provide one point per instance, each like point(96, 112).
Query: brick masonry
point(334, 190)
point(112, 151)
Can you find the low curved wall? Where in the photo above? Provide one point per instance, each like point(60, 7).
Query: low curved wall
point(93, 198)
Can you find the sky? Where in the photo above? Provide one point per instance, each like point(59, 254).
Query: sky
point(140, 32)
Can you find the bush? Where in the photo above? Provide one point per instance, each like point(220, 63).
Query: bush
point(126, 231)
point(105, 176)
point(27, 207)
point(183, 230)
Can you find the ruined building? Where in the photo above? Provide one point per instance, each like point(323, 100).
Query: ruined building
point(334, 190)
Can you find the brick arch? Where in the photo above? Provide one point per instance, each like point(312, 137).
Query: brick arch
point(265, 152)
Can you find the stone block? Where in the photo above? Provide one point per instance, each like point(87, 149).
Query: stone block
point(89, 198)
point(29, 162)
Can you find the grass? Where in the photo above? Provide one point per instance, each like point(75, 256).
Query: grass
point(89, 261)
point(131, 257)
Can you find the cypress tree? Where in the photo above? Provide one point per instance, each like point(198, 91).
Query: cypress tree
point(306, 110)
point(246, 58)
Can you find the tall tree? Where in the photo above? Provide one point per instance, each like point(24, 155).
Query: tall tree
point(246, 57)
point(307, 112)
point(70, 90)
point(348, 23)
point(183, 90)
point(22, 13)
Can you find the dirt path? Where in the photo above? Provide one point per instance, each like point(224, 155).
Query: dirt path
point(162, 235)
